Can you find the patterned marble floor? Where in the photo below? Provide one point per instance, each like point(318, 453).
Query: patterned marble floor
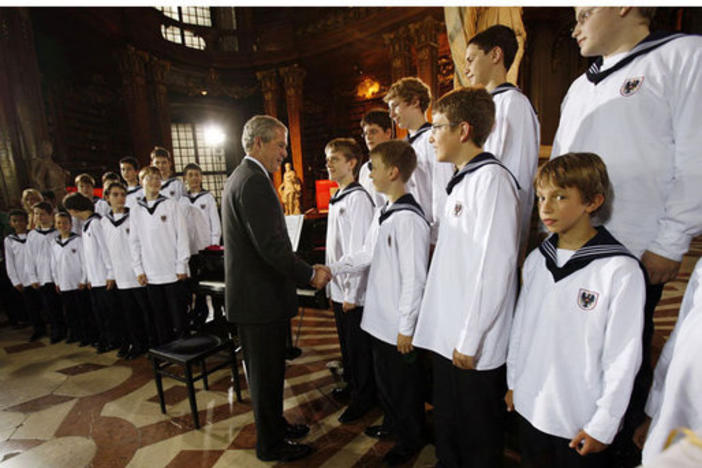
point(65, 406)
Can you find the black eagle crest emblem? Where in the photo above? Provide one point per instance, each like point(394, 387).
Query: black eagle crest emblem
point(163, 218)
point(587, 300)
point(203, 206)
point(631, 85)
point(172, 192)
point(457, 209)
point(73, 250)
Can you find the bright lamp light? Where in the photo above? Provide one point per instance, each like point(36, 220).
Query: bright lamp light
point(214, 136)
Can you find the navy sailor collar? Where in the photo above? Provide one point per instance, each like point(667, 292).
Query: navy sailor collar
point(143, 202)
point(193, 198)
point(352, 187)
point(64, 243)
point(133, 189)
point(17, 238)
point(168, 182)
point(90, 219)
point(424, 128)
point(504, 87)
point(649, 43)
point(483, 159)
point(602, 245)
point(115, 222)
point(45, 232)
point(405, 203)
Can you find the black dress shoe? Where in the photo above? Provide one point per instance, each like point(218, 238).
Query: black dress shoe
point(287, 451)
point(353, 413)
point(134, 353)
point(378, 432)
point(341, 393)
point(399, 455)
point(292, 353)
point(296, 431)
point(37, 334)
point(124, 350)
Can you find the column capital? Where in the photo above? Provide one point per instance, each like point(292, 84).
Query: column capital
point(426, 32)
point(293, 77)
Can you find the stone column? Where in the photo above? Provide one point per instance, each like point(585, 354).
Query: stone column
point(400, 53)
point(161, 110)
point(271, 91)
point(425, 36)
point(133, 66)
point(293, 76)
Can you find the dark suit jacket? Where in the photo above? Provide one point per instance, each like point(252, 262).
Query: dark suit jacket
point(261, 270)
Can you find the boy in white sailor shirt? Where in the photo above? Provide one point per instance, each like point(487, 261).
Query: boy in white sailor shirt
point(397, 251)
point(171, 186)
point(637, 106)
point(377, 128)
point(575, 345)
point(466, 310)
point(408, 100)
point(17, 257)
point(515, 138)
point(158, 242)
point(350, 214)
point(39, 241)
point(98, 267)
point(129, 168)
point(132, 295)
point(674, 400)
point(69, 276)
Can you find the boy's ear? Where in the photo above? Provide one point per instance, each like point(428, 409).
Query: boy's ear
point(414, 102)
point(496, 55)
point(597, 201)
point(394, 173)
point(465, 131)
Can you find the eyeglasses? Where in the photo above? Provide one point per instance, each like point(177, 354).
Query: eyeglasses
point(436, 127)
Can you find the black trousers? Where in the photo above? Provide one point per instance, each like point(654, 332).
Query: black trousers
point(135, 311)
point(356, 355)
point(76, 314)
point(32, 308)
point(109, 324)
point(12, 299)
point(541, 450)
point(168, 309)
point(469, 415)
point(264, 355)
point(53, 309)
point(399, 380)
point(624, 452)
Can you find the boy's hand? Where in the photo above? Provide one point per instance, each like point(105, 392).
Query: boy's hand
point(141, 279)
point(19, 287)
point(660, 269)
point(463, 361)
point(35, 285)
point(347, 306)
point(641, 433)
point(81, 286)
point(181, 276)
point(88, 285)
point(583, 443)
point(58, 290)
point(110, 284)
point(404, 343)
point(509, 400)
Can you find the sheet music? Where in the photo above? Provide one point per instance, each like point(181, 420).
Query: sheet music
point(294, 225)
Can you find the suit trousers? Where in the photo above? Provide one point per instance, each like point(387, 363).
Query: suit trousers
point(469, 415)
point(264, 355)
point(541, 450)
point(53, 309)
point(399, 380)
point(135, 309)
point(109, 327)
point(74, 305)
point(358, 360)
point(168, 309)
point(32, 307)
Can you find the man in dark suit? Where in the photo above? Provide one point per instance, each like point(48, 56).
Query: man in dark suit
point(261, 274)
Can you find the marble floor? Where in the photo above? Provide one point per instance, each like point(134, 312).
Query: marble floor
point(65, 406)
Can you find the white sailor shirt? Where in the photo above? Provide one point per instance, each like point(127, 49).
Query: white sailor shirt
point(204, 228)
point(116, 228)
point(428, 181)
point(350, 215)
point(641, 115)
point(514, 140)
point(16, 259)
point(98, 266)
point(365, 180)
point(397, 251)
point(67, 270)
point(575, 346)
point(173, 188)
point(674, 400)
point(158, 240)
point(133, 196)
point(471, 286)
point(39, 243)
point(101, 206)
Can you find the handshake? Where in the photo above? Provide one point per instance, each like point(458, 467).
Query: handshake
point(322, 276)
